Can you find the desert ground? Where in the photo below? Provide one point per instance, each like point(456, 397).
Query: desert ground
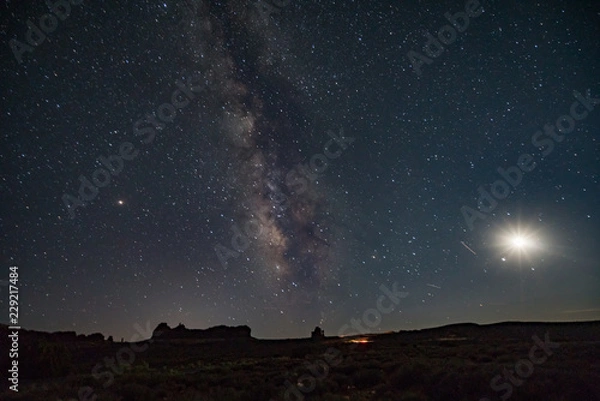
point(516, 361)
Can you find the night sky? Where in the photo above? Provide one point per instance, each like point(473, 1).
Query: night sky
point(273, 164)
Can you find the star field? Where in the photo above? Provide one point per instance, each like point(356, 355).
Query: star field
point(275, 166)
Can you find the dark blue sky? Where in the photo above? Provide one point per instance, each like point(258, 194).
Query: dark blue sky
point(277, 169)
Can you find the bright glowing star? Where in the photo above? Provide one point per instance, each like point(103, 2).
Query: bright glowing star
point(519, 241)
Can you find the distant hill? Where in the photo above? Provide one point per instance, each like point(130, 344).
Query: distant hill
point(586, 330)
point(57, 336)
point(582, 331)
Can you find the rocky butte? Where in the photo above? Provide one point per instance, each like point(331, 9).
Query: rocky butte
point(163, 332)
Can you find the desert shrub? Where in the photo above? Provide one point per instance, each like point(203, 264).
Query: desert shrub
point(507, 359)
point(390, 366)
point(331, 397)
point(456, 385)
point(474, 382)
point(223, 394)
point(409, 375)
point(228, 380)
point(341, 380)
point(54, 359)
point(349, 367)
point(482, 358)
point(413, 396)
point(136, 392)
point(82, 380)
point(447, 388)
point(497, 352)
point(263, 391)
point(372, 364)
point(301, 351)
point(367, 378)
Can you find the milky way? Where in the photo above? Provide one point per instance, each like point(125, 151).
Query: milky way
point(279, 210)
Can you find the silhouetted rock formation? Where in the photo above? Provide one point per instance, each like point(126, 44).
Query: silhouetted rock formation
point(97, 337)
point(164, 332)
point(318, 333)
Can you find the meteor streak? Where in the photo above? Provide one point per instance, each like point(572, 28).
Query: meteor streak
point(466, 246)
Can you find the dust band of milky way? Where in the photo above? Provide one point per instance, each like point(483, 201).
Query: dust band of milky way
point(261, 136)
